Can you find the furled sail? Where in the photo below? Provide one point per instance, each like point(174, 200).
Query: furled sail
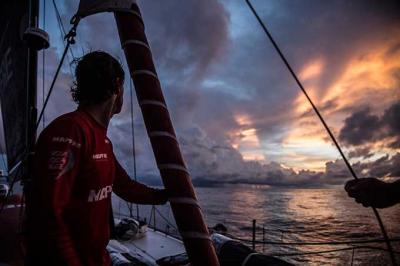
point(14, 19)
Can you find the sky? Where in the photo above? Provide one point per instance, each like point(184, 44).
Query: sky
point(238, 113)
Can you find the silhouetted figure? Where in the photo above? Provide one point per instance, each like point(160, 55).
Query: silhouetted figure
point(372, 192)
point(75, 171)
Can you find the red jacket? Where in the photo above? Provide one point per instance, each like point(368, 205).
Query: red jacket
point(75, 171)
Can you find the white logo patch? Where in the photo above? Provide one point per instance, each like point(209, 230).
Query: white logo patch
point(100, 156)
point(66, 140)
point(100, 194)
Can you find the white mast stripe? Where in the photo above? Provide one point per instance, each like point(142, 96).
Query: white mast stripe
point(161, 134)
point(193, 234)
point(134, 13)
point(134, 42)
point(184, 200)
point(144, 72)
point(172, 167)
point(150, 102)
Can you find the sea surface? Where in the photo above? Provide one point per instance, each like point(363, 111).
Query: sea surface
point(290, 215)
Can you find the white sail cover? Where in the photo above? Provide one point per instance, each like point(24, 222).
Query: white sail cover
point(90, 7)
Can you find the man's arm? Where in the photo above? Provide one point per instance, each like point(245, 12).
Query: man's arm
point(372, 192)
point(57, 160)
point(136, 192)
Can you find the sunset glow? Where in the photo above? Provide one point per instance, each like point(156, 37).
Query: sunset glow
point(236, 109)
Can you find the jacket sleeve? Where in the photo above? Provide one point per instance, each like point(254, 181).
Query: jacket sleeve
point(136, 192)
point(57, 159)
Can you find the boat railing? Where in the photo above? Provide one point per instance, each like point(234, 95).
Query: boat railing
point(159, 221)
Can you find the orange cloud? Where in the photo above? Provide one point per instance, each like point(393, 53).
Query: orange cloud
point(367, 79)
point(246, 140)
point(312, 70)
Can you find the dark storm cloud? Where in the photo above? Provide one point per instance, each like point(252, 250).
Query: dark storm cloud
point(363, 127)
point(391, 122)
point(384, 166)
point(363, 153)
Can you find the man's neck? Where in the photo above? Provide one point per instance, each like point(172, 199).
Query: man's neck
point(102, 113)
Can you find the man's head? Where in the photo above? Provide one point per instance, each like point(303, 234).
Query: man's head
point(99, 78)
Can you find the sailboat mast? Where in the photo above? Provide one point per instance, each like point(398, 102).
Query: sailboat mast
point(173, 170)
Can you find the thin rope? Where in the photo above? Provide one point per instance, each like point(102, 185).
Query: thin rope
point(61, 25)
point(70, 37)
point(382, 227)
point(43, 64)
point(165, 219)
point(352, 257)
point(62, 34)
point(133, 141)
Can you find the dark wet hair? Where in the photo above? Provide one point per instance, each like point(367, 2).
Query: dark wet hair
point(96, 75)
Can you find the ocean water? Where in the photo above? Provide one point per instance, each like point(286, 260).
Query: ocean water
point(291, 215)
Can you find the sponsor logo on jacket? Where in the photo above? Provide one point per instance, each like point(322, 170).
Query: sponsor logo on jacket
point(97, 195)
point(100, 156)
point(60, 163)
point(66, 140)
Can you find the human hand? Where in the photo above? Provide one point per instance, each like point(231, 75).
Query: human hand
point(371, 192)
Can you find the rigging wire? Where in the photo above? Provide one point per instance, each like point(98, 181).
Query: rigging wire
point(43, 62)
point(384, 233)
point(133, 141)
point(61, 25)
point(165, 219)
point(63, 33)
point(70, 37)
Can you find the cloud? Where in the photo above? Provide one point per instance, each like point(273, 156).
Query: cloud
point(360, 127)
point(186, 36)
point(363, 153)
point(381, 167)
point(224, 164)
point(216, 67)
point(363, 127)
point(391, 122)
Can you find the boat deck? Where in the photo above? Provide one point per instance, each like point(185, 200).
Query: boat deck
point(153, 246)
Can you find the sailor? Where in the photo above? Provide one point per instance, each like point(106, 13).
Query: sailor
point(75, 172)
point(372, 192)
